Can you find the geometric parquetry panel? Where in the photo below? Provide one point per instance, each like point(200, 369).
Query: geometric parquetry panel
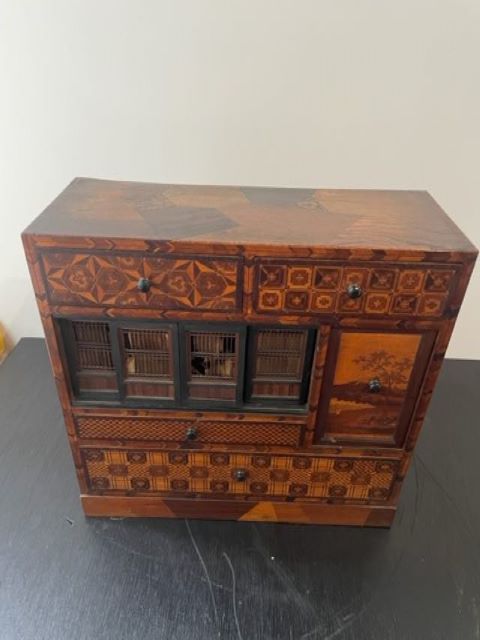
point(312, 288)
point(206, 283)
point(96, 279)
point(77, 278)
point(183, 473)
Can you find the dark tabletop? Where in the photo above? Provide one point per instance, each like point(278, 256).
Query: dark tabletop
point(65, 577)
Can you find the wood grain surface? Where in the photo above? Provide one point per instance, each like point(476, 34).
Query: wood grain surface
point(377, 276)
point(67, 576)
point(409, 220)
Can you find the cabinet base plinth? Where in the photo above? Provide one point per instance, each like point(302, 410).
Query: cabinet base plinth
point(264, 511)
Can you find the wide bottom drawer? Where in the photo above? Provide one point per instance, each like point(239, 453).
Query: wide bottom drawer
point(244, 475)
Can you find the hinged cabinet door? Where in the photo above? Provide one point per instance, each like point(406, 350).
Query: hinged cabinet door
point(371, 386)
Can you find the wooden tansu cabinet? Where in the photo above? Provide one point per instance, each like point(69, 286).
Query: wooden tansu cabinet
point(245, 353)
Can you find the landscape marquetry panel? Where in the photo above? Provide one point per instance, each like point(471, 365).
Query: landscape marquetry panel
point(179, 472)
point(175, 283)
point(321, 288)
point(363, 359)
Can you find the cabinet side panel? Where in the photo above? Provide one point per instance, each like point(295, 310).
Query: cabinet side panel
point(56, 356)
point(438, 355)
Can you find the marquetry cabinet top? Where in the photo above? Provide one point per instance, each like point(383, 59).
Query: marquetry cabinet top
point(383, 220)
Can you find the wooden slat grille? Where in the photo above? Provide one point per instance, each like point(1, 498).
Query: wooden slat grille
point(90, 357)
point(147, 339)
point(280, 354)
point(279, 363)
point(93, 332)
point(93, 369)
point(147, 353)
point(213, 355)
point(92, 345)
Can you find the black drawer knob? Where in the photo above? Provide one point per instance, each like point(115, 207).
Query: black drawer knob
point(240, 474)
point(144, 285)
point(374, 385)
point(191, 433)
point(354, 291)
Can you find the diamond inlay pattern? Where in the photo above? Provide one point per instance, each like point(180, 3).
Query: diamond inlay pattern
point(175, 283)
point(309, 288)
point(214, 473)
point(241, 432)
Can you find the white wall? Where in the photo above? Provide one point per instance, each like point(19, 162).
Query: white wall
point(345, 93)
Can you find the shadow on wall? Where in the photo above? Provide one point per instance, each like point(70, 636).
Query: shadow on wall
point(19, 315)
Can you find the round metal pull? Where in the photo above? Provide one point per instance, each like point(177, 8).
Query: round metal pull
point(191, 433)
point(144, 285)
point(354, 291)
point(374, 385)
point(240, 474)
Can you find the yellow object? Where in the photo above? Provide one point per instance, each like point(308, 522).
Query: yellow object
point(3, 347)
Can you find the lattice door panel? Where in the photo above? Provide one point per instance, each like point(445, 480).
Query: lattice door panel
point(92, 359)
point(148, 363)
point(212, 364)
point(278, 363)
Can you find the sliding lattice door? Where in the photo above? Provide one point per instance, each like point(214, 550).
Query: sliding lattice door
point(148, 362)
point(278, 365)
point(92, 368)
point(213, 364)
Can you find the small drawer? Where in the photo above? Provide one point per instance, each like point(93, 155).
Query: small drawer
point(374, 290)
point(274, 433)
point(123, 280)
point(223, 474)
